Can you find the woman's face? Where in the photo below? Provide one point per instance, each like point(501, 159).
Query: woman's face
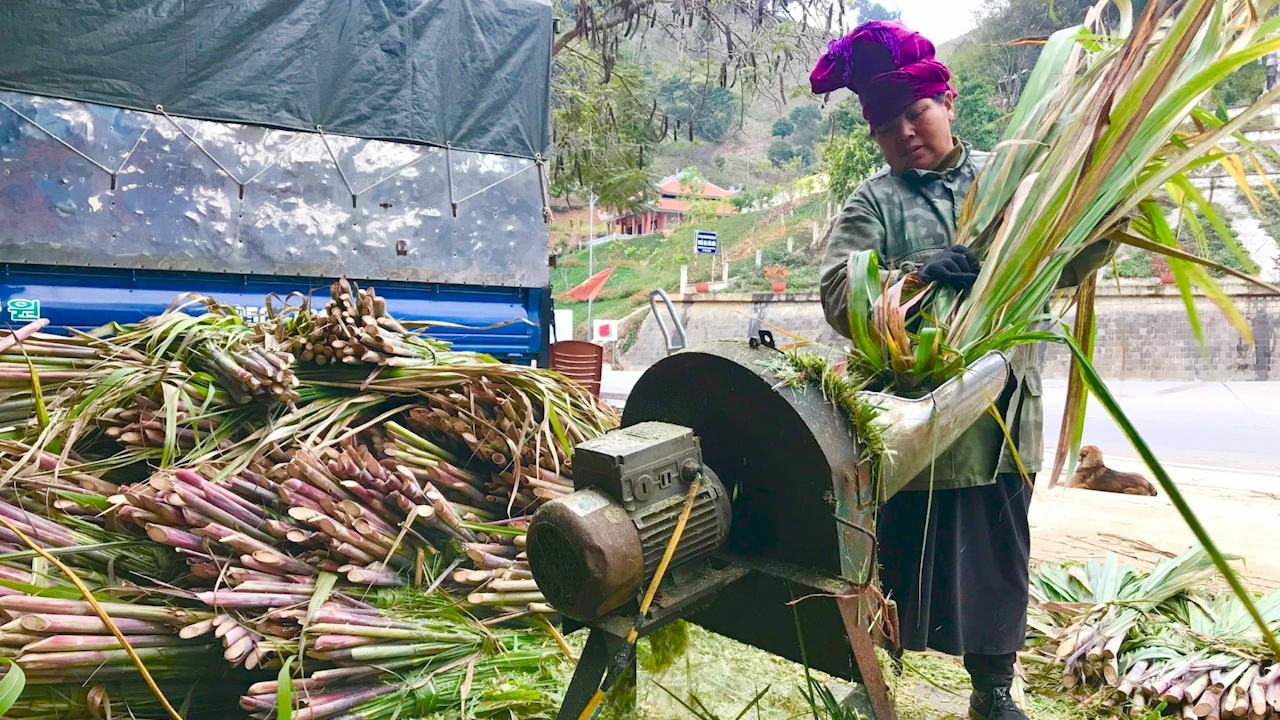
point(920, 137)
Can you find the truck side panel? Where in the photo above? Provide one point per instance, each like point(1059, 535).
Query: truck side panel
point(86, 298)
point(84, 184)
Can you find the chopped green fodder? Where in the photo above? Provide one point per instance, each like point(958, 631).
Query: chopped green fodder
point(935, 687)
point(662, 648)
point(1047, 700)
point(796, 369)
point(715, 674)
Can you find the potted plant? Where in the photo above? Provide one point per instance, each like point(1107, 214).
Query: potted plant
point(701, 287)
point(1160, 268)
point(778, 274)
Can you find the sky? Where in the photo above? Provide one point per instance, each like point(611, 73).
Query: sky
point(938, 20)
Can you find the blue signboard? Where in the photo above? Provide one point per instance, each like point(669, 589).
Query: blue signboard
point(704, 242)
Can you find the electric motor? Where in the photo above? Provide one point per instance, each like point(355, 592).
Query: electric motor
point(594, 550)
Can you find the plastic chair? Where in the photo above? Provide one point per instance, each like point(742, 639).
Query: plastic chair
point(580, 361)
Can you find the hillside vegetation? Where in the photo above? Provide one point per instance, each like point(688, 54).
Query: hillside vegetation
point(653, 261)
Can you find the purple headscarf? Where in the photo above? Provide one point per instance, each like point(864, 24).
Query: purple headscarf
point(887, 64)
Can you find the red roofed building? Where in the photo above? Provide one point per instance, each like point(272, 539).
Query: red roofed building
point(674, 199)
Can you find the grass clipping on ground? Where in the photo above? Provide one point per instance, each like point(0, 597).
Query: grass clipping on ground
point(721, 676)
point(708, 671)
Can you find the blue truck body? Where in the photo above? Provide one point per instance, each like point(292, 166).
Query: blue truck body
point(86, 298)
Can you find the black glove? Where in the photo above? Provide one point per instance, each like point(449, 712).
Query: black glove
point(955, 267)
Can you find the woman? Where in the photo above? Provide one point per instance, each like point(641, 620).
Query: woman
point(954, 545)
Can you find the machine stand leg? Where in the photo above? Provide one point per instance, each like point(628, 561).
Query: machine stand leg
point(601, 647)
point(864, 653)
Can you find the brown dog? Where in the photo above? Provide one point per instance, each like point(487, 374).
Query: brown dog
point(1091, 474)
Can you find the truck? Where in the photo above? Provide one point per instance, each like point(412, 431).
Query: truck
point(256, 150)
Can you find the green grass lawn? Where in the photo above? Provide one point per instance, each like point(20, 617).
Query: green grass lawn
point(641, 265)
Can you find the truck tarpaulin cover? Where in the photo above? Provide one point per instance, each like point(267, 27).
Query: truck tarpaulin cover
point(474, 73)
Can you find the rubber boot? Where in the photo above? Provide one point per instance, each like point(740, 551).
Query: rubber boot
point(992, 677)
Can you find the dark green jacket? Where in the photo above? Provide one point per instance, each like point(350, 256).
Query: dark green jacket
point(905, 219)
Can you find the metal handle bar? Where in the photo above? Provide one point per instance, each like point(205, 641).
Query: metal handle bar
point(662, 326)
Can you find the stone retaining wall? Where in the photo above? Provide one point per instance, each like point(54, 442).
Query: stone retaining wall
point(1143, 331)
point(1144, 334)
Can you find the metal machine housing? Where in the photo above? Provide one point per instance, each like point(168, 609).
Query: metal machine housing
point(596, 549)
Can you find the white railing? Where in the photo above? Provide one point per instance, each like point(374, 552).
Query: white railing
point(610, 238)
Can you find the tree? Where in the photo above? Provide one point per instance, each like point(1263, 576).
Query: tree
point(601, 132)
point(849, 162)
point(719, 162)
point(744, 199)
point(1243, 86)
point(806, 156)
point(751, 42)
point(692, 180)
point(780, 153)
point(701, 211)
point(805, 118)
point(851, 155)
point(783, 127)
point(701, 108)
point(979, 119)
point(1003, 21)
point(744, 48)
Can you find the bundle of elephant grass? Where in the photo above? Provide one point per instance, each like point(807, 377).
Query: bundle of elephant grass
point(1134, 642)
point(62, 658)
point(354, 328)
point(249, 361)
point(1109, 118)
point(338, 541)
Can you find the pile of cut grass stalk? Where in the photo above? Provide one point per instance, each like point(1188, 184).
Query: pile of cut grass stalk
point(338, 541)
point(1132, 642)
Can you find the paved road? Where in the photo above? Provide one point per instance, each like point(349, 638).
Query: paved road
point(1218, 425)
point(615, 385)
point(1236, 509)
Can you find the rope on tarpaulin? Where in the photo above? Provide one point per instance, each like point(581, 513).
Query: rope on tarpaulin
point(544, 187)
point(342, 174)
point(113, 173)
point(225, 170)
point(538, 162)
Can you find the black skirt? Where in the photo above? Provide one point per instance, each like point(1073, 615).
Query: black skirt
point(971, 597)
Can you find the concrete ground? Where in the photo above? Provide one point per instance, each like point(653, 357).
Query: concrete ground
point(615, 385)
point(1220, 443)
point(1239, 510)
point(1226, 426)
